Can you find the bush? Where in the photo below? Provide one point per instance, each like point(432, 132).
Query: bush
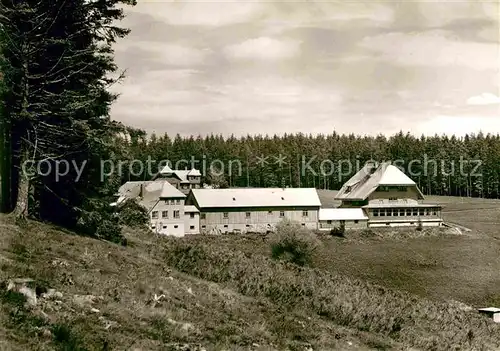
point(420, 226)
point(338, 231)
point(132, 214)
point(293, 244)
point(99, 220)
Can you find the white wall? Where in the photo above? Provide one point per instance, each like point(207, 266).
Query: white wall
point(260, 221)
point(192, 222)
point(170, 225)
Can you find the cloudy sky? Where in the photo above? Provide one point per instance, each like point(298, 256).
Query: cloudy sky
point(199, 67)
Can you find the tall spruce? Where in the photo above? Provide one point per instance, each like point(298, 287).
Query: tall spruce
point(58, 66)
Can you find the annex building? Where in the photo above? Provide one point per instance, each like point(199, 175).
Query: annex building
point(256, 210)
point(387, 197)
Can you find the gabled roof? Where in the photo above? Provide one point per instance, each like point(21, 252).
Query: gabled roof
point(256, 197)
point(342, 214)
point(166, 170)
point(152, 192)
point(194, 173)
point(363, 183)
point(190, 209)
point(181, 174)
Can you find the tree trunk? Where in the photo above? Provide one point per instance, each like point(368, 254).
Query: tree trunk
point(21, 210)
point(5, 166)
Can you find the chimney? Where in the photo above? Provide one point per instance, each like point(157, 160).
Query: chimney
point(141, 190)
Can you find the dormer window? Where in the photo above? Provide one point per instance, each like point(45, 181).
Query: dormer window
point(348, 189)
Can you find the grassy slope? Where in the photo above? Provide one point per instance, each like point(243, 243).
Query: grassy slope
point(463, 267)
point(193, 311)
point(235, 305)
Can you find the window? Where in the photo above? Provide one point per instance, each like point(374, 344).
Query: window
point(375, 213)
point(191, 215)
point(164, 214)
point(153, 226)
point(203, 216)
point(178, 202)
point(269, 212)
point(434, 213)
point(305, 213)
point(203, 226)
point(415, 212)
point(395, 212)
point(248, 226)
point(382, 213)
point(427, 212)
point(247, 215)
point(176, 214)
point(303, 224)
point(225, 225)
point(176, 226)
point(165, 226)
point(191, 227)
point(421, 212)
point(356, 221)
point(226, 215)
point(282, 214)
point(329, 222)
point(401, 212)
point(154, 214)
point(393, 199)
point(388, 212)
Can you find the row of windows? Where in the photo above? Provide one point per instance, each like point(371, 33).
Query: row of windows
point(164, 226)
point(173, 202)
point(164, 214)
point(249, 214)
point(394, 212)
point(248, 226)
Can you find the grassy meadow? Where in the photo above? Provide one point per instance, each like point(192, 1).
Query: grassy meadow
point(371, 290)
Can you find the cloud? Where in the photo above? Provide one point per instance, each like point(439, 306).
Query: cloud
point(200, 13)
point(433, 48)
point(484, 99)
point(264, 48)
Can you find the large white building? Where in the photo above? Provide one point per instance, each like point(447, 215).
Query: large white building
point(165, 205)
point(255, 210)
point(388, 197)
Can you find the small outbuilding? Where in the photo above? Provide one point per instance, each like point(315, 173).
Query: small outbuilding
point(351, 218)
point(492, 312)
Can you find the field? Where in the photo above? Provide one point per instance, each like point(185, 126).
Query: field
point(371, 290)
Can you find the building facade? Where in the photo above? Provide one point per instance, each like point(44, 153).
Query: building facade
point(255, 210)
point(350, 218)
point(163, 202)
point(388, 198)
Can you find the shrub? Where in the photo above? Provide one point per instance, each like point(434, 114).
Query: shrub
point(98, 220)
point(420, 226)
point(131, 214)
point(338, 231)
point(293, 244)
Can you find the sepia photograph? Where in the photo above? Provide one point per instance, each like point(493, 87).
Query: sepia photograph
point(249, 175)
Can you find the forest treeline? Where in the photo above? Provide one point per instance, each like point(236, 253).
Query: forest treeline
point(440, 165)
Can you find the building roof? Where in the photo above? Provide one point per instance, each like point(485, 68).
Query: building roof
point(341, 214)
point(194, 173)
point(190, 208)
point(363, 183)
point(256, 197)
point(489, 309)
point(166, 170)
point(181, 174)
point(152, 192)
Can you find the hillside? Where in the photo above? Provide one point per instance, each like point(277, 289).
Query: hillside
point(105, 295)
point(210, 292)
